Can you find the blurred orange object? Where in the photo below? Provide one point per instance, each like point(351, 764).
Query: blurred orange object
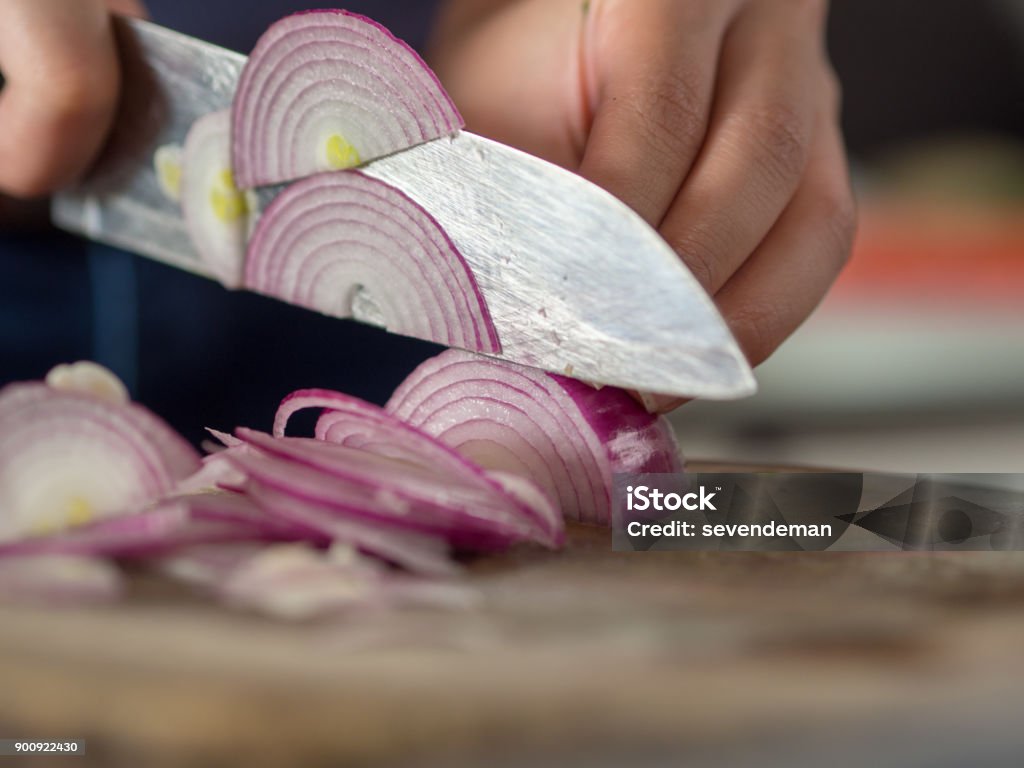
point(937, 254)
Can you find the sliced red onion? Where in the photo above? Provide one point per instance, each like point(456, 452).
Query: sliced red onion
point(347, 245)
point(67, 458)
point(360, 425)
point(251, 518)
point(206, 565)
point(226, 440)
point(411, 550)
point(566, 436)
point(88, 378)
point(217, 214)
point(216, 472)
point(297, 583)
point(200, 519)
point(327, 90)
point(367, 487)
point(59, 580)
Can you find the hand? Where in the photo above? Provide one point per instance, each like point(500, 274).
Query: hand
point(716, 120)
point(60, 68)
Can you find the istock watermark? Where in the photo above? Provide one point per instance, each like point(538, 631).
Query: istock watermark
point(641, 498)
point(802, 511)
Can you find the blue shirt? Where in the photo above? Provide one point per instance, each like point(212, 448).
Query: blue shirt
point(195, 353)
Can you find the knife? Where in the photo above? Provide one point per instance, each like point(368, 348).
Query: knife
point(575, 281)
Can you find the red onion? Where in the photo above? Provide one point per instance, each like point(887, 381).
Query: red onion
point(347, 245)
point(68, 457)
point(360, 485)
point(326, 90)
point(217, 214)
point(171, 525)
point(286, 516)
point(568, 437)
point(357, 424)
point(415, 552)
point(296, 582)
point(109, 479)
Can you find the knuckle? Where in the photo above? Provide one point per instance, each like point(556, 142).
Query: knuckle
point(701, 251)
point(672, 109)
point(759, 328)
point(782, 137)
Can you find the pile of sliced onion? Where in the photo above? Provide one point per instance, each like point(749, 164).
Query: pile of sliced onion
point(217, 214)
point(567, 437)
point(347, 245)
point(328, 90)
point(86, 475)
point(470, 455)
point(355, 425)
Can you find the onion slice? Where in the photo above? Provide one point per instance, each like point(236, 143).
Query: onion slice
point(217, 214)
point(413, 551)
point(346, 245)
point(172, 525)
point(358, 485)
point(328, 90)
point(69, 457)
point(296, 582)
point(566, 436)
point(355, 423)
point(88, 378)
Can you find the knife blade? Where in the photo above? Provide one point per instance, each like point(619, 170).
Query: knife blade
point(575, 281)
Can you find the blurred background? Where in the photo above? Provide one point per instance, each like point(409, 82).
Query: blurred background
point(915, 362)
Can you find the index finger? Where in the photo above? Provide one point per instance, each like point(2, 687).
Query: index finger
point(650, 70)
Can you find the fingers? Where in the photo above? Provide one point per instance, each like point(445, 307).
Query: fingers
point(513, 69)
point(785, 278)
point(60, 66)
point(768, 94)
point(127, 8)
point(649, 71)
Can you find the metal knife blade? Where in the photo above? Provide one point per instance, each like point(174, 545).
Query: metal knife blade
point(575, 281)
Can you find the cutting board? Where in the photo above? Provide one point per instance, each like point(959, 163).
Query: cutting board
point(584, 657)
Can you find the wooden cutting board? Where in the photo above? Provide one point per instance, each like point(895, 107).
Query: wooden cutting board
point(585, 657)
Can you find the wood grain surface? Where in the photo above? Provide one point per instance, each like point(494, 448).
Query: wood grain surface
point(585, 657)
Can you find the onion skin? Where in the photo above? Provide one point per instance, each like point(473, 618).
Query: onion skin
point(329, 89)
point(566, 436)
point(330, 241)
